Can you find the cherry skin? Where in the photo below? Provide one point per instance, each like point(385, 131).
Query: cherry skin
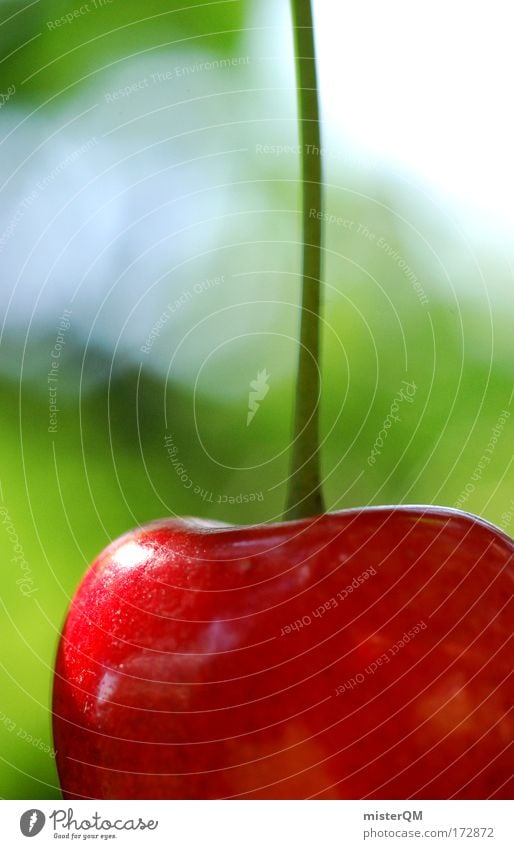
point(360, 654)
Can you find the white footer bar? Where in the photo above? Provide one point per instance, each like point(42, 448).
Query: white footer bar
point(259, 825)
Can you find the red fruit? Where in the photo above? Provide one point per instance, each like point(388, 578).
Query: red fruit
point(218, 662)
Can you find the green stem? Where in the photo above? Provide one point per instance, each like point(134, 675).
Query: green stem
point(304, 491)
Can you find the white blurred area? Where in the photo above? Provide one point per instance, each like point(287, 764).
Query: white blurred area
point(427, 88)
point(115, 206)
point(105, 196)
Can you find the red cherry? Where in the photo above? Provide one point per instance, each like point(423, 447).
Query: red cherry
point(362, 654)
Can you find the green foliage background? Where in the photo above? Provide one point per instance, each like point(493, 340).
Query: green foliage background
point(106, 469)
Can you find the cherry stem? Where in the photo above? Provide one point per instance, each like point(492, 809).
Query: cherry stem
point(305, 497)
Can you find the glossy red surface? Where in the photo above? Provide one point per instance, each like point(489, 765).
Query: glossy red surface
point(362, 654)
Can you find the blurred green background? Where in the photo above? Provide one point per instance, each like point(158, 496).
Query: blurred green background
point(149, 187)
